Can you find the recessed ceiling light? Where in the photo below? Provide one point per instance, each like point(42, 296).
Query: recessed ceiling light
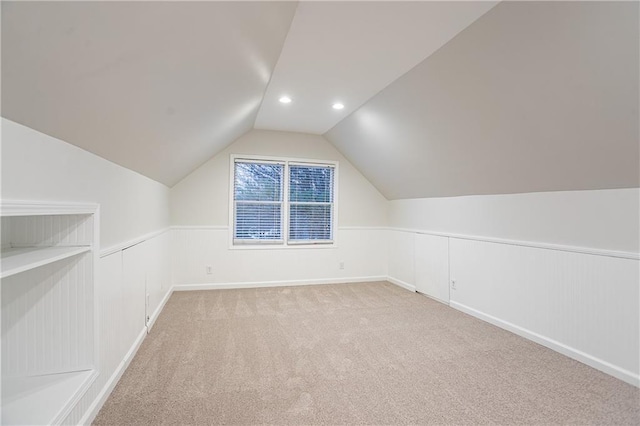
point(285, 100)
point(338, 105)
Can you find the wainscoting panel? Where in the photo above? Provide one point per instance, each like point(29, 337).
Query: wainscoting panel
point(432, 266)
point(158, 274)
point(361, 252)
point(582, 304)
point(401, 252)
point(134, 273)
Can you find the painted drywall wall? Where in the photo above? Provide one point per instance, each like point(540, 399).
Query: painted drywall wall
point(202, 198)
point(531, 97)
point(601, 219)
point(201, 202)
point(36, 166)
point(39, 167)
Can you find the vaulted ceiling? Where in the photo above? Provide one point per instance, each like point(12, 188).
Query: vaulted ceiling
point(440, 98)
point(348, 51)
point(157, 87)
point(534, 96)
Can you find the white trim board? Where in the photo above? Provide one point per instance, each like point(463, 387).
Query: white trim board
point(548, 246)
point(285, 283)
point(401, 283)
point(444, 302)
point(606, 367)
point(34, 208)
point(226, 227)
point(130, 243)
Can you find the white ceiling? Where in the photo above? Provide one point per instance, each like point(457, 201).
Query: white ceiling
point(534, 96)
point(160, 87)
point(157, 87)
point(349, 51)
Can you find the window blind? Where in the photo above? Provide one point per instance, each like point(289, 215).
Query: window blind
point(258, 202)
point(310, 203)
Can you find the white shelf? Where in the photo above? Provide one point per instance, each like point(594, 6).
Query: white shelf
point(16, 260)
point(42, 400)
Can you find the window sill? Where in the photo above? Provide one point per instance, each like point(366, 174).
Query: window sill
point(263, 246)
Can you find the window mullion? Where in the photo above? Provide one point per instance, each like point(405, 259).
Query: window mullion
point(285, 204)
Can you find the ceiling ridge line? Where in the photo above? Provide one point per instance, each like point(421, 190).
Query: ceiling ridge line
point(266, 87)
point(411, 69)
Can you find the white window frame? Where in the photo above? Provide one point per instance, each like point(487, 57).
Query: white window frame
point(286, 244)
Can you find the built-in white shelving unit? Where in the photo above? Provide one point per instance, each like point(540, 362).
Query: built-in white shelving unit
point(49, 253)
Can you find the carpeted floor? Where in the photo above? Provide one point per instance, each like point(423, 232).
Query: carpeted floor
point(369, 353)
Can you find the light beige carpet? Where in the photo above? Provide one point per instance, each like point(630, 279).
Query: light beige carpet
point(369, 353)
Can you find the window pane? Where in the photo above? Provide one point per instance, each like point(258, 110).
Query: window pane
point(258, 182)
point(311, 184)
point(310, 222)
point(258, 221)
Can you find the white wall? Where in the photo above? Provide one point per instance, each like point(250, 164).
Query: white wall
point(603, 219)
point(38, 167)
point(202, 198)
point(560, 268)
point(200, 216)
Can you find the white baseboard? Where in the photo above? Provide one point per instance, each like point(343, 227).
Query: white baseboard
point(401, 283)
point(156, 313)
point(606, 367)
point(97, 404)
point(444, 302)
point(258, 284)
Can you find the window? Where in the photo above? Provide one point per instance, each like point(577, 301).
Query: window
point(281, 202)
point(258, 202)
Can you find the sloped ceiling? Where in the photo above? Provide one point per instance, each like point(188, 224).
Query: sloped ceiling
point(349, 51)
point(441, 98)
point(160, 87)
point(157, 87)
point(533, 96)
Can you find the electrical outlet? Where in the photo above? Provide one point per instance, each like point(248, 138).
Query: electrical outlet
point(453, 284)
point(341, 265)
